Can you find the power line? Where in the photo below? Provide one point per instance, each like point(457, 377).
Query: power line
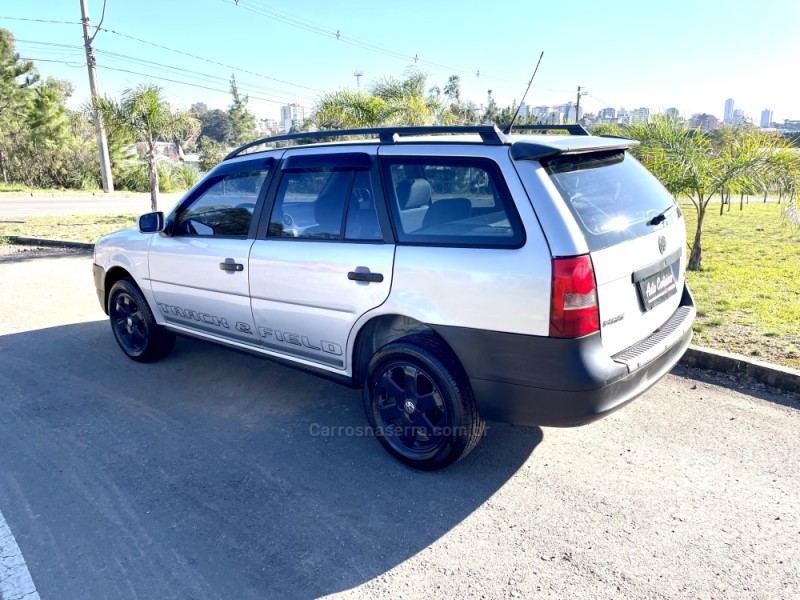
point(40, 20)
point(164, 47)
point(208, 60)
point(181, 70)
point(151, 76)
point(52, 60)
point(355, 41)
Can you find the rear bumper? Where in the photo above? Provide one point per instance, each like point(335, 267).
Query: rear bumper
point(531, 380)
point(100, 285)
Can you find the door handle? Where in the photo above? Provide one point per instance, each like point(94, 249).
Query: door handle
point(365, 276)
point(231, 266)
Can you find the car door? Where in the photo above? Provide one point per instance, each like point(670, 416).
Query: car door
point(326, 256)
point(199, 273)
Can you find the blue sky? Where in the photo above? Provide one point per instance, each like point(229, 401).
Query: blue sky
point(688, 54)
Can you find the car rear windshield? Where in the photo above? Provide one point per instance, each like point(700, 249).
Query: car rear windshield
point(611, 195)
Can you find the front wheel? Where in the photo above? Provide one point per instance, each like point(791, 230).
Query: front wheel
point(134, 326)
point(420, 404)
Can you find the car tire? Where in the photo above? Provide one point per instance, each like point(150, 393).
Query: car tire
point(134, 326)
point(419, 403)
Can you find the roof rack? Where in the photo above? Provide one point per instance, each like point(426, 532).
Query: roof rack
point(490, 134)
point(573, 129)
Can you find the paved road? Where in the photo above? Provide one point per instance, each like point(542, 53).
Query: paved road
point(89, 204)
point(199, 477)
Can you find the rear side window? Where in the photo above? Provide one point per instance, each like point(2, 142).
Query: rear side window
point(451, 201)
point(612, 196)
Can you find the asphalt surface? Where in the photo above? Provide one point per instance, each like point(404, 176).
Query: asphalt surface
point(18, 205)
point(204, 476)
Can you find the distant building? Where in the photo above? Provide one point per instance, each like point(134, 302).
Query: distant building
point(738, 116)
point(673, 114)
point(623, 117)
point(292, 115)
point(524, 111)
point(268, 127)
point(607, 114)
point(728, 116)
point(704, 121)
point(766, 118)
point(546, 115)
point(200, 107)
point(641, 115)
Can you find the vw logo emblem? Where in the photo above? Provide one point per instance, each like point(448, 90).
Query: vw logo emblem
point(662, 244)
point(409, 406)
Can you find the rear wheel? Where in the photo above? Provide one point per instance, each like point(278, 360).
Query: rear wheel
point(420, 404)
point(134, 326)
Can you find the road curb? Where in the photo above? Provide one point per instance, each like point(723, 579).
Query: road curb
point(30, 241)
point(783, 378)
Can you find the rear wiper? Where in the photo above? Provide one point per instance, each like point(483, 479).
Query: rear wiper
point(662, 216)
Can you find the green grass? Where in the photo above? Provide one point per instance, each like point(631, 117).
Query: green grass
point(13, 187)
point(75, 228)
point(748, 292)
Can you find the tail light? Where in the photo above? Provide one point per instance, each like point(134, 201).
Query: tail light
point(573, 304)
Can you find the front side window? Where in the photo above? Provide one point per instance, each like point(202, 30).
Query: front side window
point(225, 208)
point(451, 201)
point(325, 203)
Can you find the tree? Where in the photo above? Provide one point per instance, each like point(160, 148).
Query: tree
point(492, 112)
point(216, 125)
point(688, 163)
point(242, 121)
point(143, 115)
point(211, 153)
point(16, 77)
point(388, 101)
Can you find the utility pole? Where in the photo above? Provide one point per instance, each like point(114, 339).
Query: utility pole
point(102, 142)
point(578, 104)
point(358, 75)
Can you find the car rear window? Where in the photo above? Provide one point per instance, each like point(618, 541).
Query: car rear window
point(611, 195)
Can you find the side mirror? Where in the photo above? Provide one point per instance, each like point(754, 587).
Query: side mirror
point(151, 222)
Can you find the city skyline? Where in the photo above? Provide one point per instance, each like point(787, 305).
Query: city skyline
point(284, 57)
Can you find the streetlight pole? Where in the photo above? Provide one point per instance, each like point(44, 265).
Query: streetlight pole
point(100, 130)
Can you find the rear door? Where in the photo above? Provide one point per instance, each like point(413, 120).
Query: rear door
point(636, 237)
point(326, 256)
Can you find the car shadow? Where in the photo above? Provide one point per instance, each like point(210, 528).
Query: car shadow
point(211, 474)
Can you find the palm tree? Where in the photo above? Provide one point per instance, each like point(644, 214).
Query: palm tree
point(388, 101)
point(143, 115)
point(688, 163)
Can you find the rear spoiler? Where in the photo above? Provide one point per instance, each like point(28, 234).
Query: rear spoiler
point(540, 150)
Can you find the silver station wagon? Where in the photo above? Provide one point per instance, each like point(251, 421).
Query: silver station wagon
point(455, 274)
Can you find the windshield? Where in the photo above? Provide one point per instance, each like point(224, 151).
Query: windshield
point(611, 195)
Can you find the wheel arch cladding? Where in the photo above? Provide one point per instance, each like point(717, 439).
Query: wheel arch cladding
point(382, 330)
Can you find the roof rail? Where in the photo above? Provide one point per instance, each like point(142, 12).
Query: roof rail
point(572, 129)
point(490, 134)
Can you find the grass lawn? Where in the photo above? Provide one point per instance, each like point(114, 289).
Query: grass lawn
point(76, 228)
point(748, 293)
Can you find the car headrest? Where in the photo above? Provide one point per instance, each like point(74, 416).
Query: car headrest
point(414, 193)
